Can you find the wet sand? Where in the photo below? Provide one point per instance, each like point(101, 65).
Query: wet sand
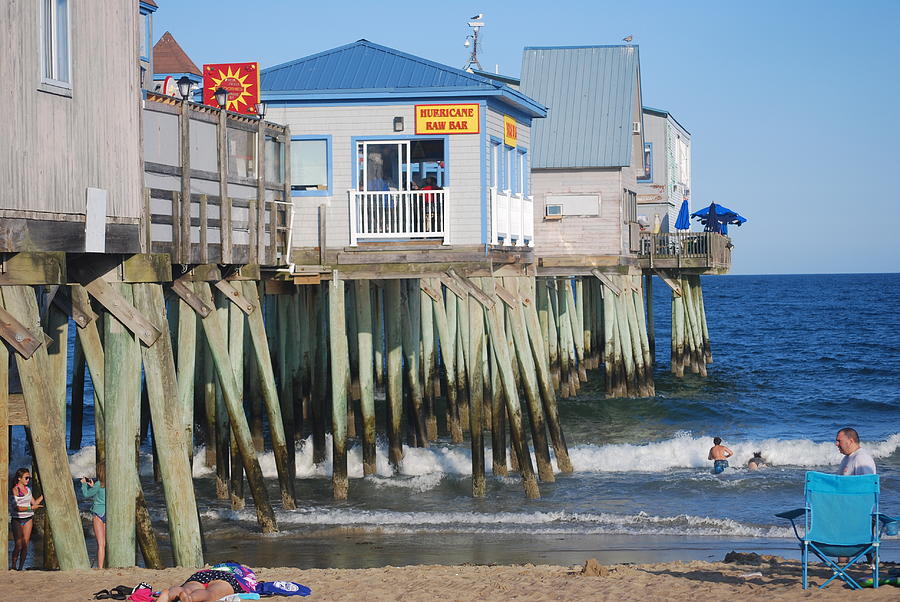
point(775, 578)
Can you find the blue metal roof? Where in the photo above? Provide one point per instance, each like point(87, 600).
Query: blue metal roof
point(590, 92)
point(365, 70)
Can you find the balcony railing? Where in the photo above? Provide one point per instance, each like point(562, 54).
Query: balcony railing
point(398, 215)
point(512, 219)
point(698, 249)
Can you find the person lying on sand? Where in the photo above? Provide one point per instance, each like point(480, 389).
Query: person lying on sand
point(756, 462)
point(718, 454)
point(214, 583)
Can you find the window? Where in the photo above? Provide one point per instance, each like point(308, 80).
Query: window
point(629, 198)
point(310, 163)
point(522, 172)
point(495, 163)
point(145, 36)
point(274, 161)
point(55, 58)
point(647, 175)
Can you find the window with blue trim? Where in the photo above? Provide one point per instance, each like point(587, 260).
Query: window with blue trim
point(310, 164)
point(495, 164)
point(522, 172)
point(647, 174)
point(145, 36)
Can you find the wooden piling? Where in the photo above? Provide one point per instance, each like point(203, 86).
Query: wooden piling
point(448, 356)
point(378, 333)
point(704, 327)
point(283, 461)
point(454, 402)
point(579, 332)
point(364, 340)
point(528, 372)
point(76, 426)
point(89, 336)
point(513, 408)
point(339, 369)
point(286, 337)
point(637, 299)
point(677, 362)
point(498, 417)
point(236, 354)
point(697, 355)
point(565, 338)
point(651, 329)
point(393, 334)
point(552, 304)
point(322, 378)
point(168, 430)
point(214, 329)
point(428, 363)
point(122, 384)
point(410, 326)
point(545, 383)
point(476, 394)
point(185, 370)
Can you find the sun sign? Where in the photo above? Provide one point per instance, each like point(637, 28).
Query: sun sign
point(240, 79)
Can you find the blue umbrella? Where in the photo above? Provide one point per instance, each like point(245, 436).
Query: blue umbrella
point(684, 220)
point(718, 215)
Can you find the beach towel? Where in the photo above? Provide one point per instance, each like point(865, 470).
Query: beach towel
point(282, 588)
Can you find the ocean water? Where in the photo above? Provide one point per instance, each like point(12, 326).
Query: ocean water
point(795, 359)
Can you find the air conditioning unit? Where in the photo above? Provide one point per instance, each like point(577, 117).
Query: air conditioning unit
point(635, 127)
point(554, 211)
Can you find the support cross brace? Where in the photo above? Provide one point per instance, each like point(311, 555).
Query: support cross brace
point(607, 281)
point(124, 311)
point(671, 281)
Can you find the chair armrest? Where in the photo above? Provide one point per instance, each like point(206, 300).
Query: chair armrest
point(792, 514)
point(889, 524)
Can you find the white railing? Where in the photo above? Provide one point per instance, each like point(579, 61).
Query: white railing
point(512, 219)
point(401, 214)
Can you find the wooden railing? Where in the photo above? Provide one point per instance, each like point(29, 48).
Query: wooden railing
point(512, 219)
point(697, 249)
point(400, 214)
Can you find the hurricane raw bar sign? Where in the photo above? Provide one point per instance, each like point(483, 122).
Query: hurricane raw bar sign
point(448, 119)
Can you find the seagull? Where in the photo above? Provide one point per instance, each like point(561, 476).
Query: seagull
point(628, 38)
point(478, 16)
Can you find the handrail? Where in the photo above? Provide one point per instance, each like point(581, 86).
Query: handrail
point(713, 247)
point(398, 214)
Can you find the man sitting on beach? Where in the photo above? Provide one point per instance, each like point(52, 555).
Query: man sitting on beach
point(718, 454)
point(856, 460)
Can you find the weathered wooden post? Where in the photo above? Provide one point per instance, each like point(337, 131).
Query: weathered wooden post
point(511, 395)
point(236, 354)
point(77, 423)
point(394, 370)
point(565, 338)
point(89, 335)
point(704, 327)
point(214, 330)
point(378, 326)
point(677, 363)
point(428, 361)
point(283, 461)
point(168, 430)
point(476, 394)
point(529, 381)
point(452, 368)
point(651, 329)
point(498, 416)
point(577, 312)
point(448, 356)
point(553, 352)
point(339, 368)
point(366, 376)
point(320, 383)
point(411, 323)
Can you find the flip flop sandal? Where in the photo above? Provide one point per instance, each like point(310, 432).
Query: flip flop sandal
point(103, 594)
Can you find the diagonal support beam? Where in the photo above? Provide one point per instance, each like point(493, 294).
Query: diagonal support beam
point(607, 282)
point(19, 338)
point(486, 300)
point(124, 311)
point(235, 296)
point(670, 280)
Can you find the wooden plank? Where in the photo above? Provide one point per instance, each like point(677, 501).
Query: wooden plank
point(186, 293)
point(511, 300)
point(19, 338)
point(607, 281)
point(204, 224)
point(18, 416)
point(81, 314)
point(307, 279)
point(49, 442)
point(33, 268)
point(235, 296)
point(279, 287)
point(124, 311)
point(340, 369)
point(670, 280)
point(425, 288)
point(453, 286)
point(147, 267)
point(408, 256)
point(486, 300)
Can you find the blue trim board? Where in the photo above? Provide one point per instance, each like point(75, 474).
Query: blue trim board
point(482, 128)
point(354, 140)
point(329, 166)
point(506, 109)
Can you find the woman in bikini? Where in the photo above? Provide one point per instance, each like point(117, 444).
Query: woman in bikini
point(96, 491)
point(22, 505)
point(221, 580)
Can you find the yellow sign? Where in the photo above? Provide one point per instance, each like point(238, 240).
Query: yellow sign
point(510, 132)
point(448, 119)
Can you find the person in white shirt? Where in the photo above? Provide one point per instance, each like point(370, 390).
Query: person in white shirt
point(856, 460)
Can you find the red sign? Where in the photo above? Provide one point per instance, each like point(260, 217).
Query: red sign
point(240, 79)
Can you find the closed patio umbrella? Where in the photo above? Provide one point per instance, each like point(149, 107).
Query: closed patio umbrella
point(684, 217)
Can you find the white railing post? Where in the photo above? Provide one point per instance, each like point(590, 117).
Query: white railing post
point(352, 202)
point(444, 211)
point(528, 217)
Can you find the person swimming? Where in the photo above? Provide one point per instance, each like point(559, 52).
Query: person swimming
point(756, 462)
point(718, 453)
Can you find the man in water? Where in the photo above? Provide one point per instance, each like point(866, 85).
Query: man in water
point(856, 460)
point(718, 454)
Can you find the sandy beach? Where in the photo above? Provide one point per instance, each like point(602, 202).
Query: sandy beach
point(774, 578)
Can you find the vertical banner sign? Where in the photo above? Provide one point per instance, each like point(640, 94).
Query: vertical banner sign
point(240, 79)
point(448, 119)
point(510, 132)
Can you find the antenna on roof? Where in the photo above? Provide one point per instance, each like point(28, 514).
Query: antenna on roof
point(472, 40)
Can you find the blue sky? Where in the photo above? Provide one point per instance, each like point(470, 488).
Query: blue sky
point(791, 105)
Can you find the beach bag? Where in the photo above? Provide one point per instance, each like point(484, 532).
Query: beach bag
point(244, 574)
point(282, 588)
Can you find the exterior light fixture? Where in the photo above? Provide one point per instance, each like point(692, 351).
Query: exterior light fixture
point(398, 124)
point(260, 109)
point(221, 95)
point(184, 86)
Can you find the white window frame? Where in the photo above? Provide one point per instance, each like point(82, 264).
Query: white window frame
point(50, 64)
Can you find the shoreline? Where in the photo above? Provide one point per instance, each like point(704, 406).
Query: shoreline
point(774, 578)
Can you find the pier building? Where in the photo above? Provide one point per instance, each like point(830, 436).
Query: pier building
point(666, 178)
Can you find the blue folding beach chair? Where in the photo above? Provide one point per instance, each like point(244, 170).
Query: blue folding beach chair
point(842, 520)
